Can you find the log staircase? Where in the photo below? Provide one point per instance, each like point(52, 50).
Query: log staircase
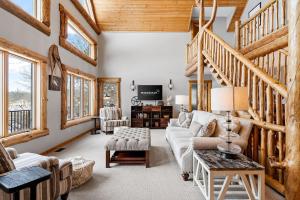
point(259, 61)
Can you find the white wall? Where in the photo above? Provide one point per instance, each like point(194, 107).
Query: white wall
point(19, 32)
point(146, 58)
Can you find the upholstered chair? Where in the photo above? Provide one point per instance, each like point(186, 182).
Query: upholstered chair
point(58, 186)
point(111, 117)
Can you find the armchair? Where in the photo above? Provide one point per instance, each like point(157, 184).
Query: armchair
point(111, 117)
point(61, 178)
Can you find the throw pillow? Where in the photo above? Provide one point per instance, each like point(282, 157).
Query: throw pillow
point(208, 129)
point(195, 128)
point(185, 119)
point(6, 163)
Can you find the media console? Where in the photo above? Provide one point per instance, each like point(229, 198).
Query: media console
point(154, 117)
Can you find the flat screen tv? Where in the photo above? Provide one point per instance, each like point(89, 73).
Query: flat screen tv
point(150, 92)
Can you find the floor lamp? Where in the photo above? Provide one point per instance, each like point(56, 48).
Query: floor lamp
point(229, 99)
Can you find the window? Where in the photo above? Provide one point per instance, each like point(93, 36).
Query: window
point(34, 12)
point(86, 8)
point(76, 39)
point(23, 99)
point(79, 93)
point(20, 94)
point(87, 5)
point(32, 7)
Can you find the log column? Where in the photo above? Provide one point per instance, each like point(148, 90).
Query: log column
point(292, 183)
point(200, 59)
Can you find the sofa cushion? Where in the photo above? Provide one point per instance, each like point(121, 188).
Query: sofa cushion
point(195, 128)
point(6, 163)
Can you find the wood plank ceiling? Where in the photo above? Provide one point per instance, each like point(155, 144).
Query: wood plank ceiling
point(153, 15)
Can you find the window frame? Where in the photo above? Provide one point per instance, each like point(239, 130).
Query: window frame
point(65, 17)
point(7, 47)
point(65, 122)
point(85, 14)
point(42, 25)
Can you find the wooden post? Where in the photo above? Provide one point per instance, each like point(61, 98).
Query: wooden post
point(200, 60)
point(292, 183)
point(237, 35)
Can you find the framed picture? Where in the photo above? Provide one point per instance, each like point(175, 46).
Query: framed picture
point(54, 83)
point(254, 10)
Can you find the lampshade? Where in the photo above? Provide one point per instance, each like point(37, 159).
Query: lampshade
point(229, 98)
point(181, 100)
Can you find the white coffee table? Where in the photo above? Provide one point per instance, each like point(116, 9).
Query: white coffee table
point(221, 178)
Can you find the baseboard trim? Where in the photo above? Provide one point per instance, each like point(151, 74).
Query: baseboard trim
point(69, 141)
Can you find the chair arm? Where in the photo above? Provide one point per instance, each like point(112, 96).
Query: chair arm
point(12, 152)
point(173, 122)
point(201, 143)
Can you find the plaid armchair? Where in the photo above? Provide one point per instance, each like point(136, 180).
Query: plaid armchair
point(111, 117)
point(61, 179)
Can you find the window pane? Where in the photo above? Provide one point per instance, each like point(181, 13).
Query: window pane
point(20, 78)
point(77, 97)
point(86, 95)
point(86, 4)
point(27, 5)
point(69, 97)
point(76, 39)
point(110, 94)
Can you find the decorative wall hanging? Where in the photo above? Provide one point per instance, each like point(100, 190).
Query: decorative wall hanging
point(54, 59)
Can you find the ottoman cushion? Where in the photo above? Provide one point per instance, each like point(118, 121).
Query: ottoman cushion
point(129, 139)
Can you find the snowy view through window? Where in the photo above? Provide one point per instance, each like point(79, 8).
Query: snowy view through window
point(78, 41)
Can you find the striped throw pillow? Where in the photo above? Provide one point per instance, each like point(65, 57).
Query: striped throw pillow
point(6, 163)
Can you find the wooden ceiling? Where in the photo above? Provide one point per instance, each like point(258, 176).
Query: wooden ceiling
point(153, 15)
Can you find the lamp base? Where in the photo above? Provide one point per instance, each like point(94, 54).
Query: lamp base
point(229, 150)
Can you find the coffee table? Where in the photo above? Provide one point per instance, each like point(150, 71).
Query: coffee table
point(220, 178)
point(130, 146)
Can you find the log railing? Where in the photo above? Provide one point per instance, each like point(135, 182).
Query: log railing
point(267, 94)
point(191, 50)
point(267, 20)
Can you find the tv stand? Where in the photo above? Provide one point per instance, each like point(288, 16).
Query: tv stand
point(154, 117)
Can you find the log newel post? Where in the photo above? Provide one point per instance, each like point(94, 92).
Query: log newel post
point(292, 180)
point(200, 58)
point(237, 35)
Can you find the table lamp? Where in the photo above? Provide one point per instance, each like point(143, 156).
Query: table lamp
point(229, 99)
point(181, 100)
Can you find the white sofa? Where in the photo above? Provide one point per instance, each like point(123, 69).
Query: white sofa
point(183, 143)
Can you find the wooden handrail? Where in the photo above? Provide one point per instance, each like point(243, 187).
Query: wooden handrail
point(282, 89)
point(268, 19)
point(264, 8)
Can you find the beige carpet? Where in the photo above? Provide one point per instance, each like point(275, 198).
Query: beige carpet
point(134, 182)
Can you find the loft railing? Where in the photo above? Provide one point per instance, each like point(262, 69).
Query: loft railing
point(267, 20)
point(191, 50)
point(19, 121)
point(267, 94)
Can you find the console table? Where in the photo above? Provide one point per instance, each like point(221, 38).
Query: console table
point(153, 117)
point(218, 177)
point(16, 180)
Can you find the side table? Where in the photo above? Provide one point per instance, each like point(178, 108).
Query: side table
point(220, 178)
point(16, 180)
point(95, 118)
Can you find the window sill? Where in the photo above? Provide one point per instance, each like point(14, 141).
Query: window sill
point(65, 44)
point(23, 137)
point(23, 15)
point(76, 122)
